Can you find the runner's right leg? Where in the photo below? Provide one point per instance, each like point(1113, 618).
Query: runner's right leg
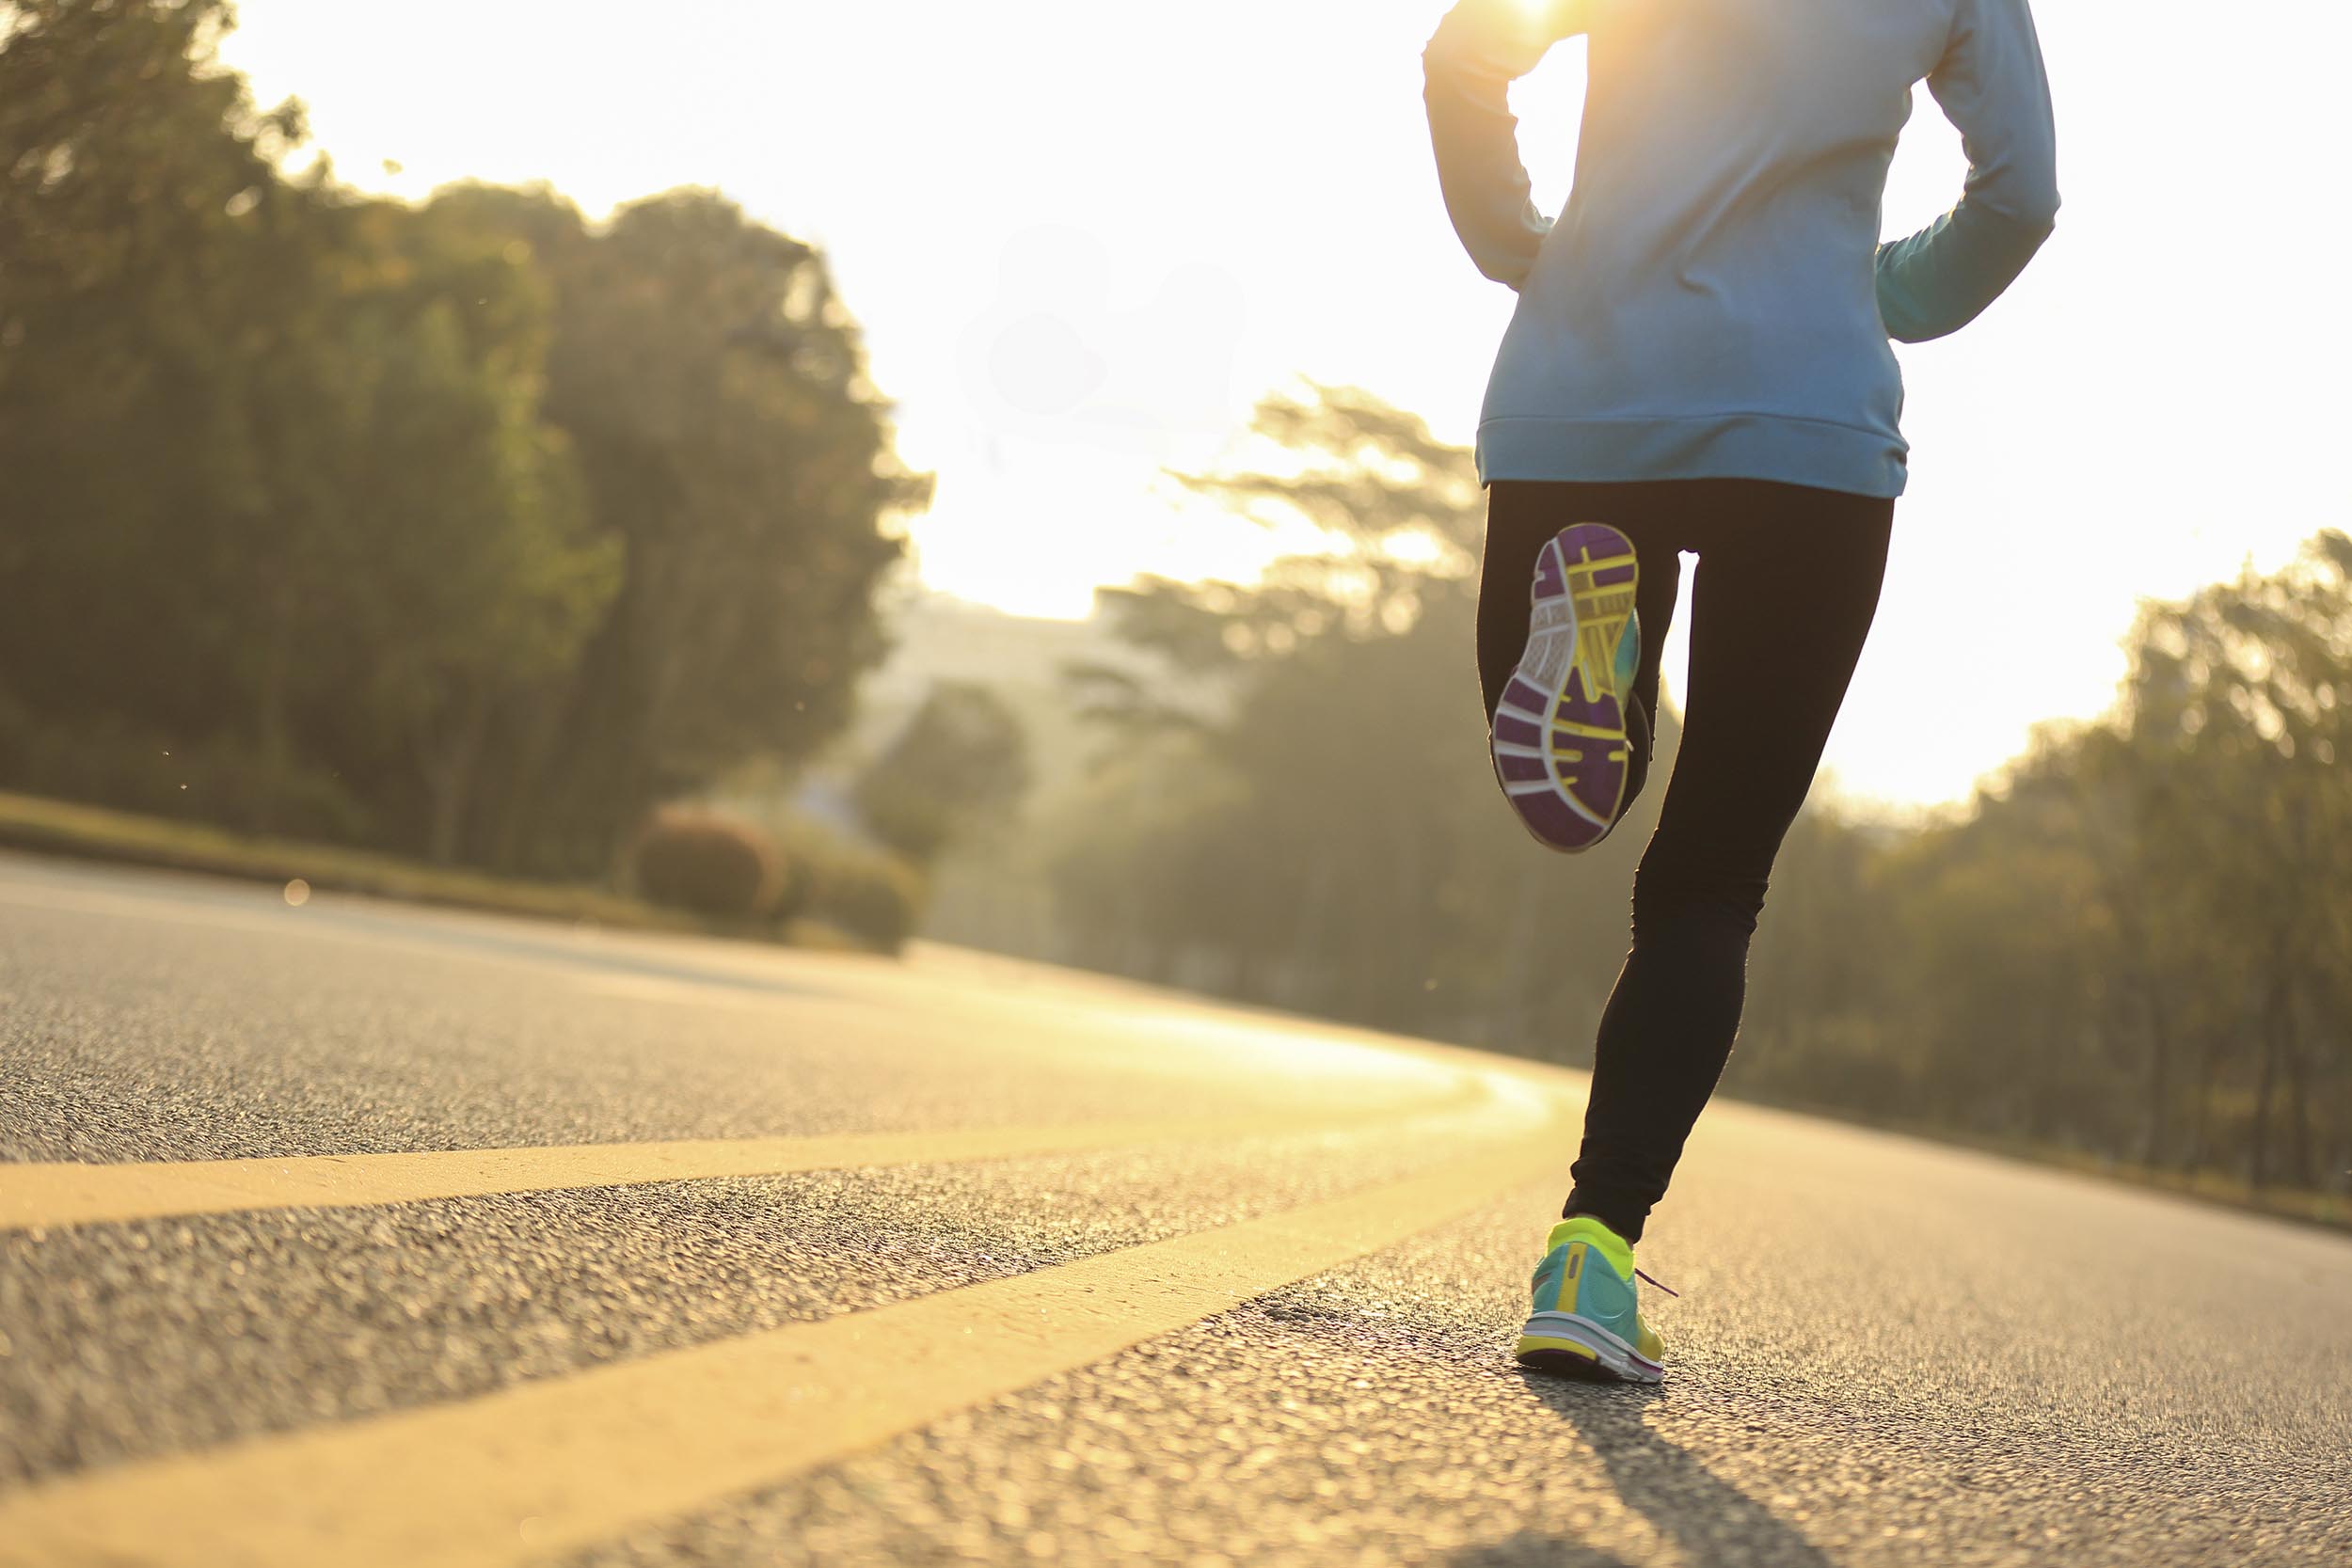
point(1786, 585)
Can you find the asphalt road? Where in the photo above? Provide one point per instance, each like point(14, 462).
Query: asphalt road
point(789, 1258)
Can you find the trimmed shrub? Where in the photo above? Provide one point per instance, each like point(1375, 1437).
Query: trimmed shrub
point(788, 893)
point(874, 896)
point(711, 863)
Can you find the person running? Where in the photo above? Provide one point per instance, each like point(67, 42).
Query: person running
point(1699, 361)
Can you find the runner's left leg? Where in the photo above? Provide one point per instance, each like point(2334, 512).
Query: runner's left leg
point(1522, 516)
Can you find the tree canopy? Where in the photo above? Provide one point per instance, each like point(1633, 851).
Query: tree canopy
point(471, 529)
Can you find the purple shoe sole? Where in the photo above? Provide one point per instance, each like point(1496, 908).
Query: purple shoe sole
point(1558, 739)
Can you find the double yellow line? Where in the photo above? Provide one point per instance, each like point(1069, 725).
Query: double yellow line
point(553, 1465)
point(45, 1196)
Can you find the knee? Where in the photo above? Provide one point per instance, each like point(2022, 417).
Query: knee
point(1671, 890)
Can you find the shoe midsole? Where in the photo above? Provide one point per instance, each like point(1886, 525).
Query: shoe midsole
point(1569, 1326)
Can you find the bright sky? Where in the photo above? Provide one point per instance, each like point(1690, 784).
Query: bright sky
point(1084, 238)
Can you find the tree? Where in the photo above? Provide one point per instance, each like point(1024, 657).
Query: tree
point(711, 383)
point(463, 514)
point(465, 529)
point(280, 481)
point(2237, 700)
point(136, 193)
point(959, 764)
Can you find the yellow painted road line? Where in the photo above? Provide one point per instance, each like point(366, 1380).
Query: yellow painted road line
point(550, 1466)
point(46, 1196)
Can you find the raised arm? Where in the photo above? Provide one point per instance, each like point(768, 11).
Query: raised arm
point(1480, 47)
point(1990, 84)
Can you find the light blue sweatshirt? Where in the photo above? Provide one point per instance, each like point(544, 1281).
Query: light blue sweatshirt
point(1714, 301)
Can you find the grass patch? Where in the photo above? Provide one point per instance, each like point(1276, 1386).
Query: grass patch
point(94, 832)
point(2330, 1210)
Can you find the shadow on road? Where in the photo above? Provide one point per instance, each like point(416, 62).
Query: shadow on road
point(1531, 1548)
point(1710, 1520)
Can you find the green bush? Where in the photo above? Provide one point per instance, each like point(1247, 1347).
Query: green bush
point(870, 895)
point(788, 897)
point(693, 858)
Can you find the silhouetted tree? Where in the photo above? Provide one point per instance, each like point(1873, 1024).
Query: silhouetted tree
point(959, 765)
point(712, 385)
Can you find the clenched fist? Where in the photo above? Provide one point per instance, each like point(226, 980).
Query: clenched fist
point(1510, 35)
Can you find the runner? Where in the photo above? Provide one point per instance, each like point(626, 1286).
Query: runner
point(1698, 361)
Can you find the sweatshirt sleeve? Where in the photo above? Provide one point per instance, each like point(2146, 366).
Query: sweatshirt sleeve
point(1990, 84)
point(1480, 47)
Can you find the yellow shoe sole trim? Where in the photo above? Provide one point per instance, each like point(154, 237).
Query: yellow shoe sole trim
point(1530, 1343)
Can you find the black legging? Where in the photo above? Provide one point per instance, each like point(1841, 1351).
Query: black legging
point(1786, 583)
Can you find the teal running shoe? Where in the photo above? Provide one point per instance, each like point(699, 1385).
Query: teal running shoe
point(1586, 1322)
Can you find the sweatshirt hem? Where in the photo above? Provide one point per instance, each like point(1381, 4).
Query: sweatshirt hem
point(1792, 449)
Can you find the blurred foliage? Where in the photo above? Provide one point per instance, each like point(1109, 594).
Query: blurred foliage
point(1314, 823)
point(957, 767)
point(496, 525)
point(875, 896)
point(2137, 946)
point(708, 862)
point(117, 760)
point(2134, 947)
